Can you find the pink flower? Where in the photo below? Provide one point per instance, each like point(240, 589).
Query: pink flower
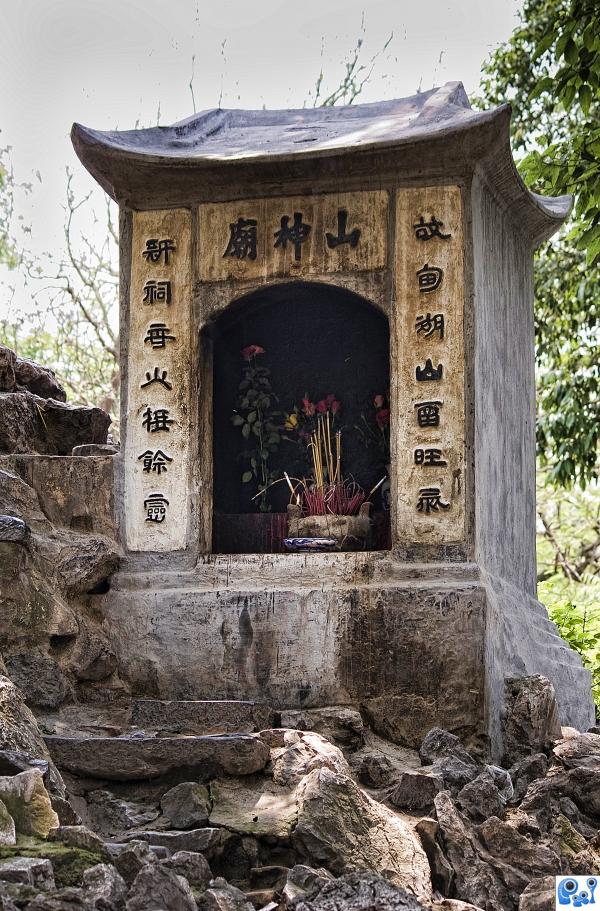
point(378, 401)
point(322, 406)
point(335, 406)
point(383, 417)
point(251, 351)
point(308, 406)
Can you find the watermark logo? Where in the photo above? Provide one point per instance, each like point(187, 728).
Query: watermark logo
point(576, 891)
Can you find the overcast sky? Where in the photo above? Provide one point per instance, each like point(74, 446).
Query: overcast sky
point(115, 63)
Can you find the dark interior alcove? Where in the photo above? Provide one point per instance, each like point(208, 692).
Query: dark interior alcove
point(318, 339)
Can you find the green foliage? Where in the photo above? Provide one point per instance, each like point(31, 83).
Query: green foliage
point(549, 70)
point(575, 608)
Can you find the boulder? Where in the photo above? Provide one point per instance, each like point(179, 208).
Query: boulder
point(441, 872)
point(12, 762)
point(258, 807)
point(579, 752)
point(304, 882)
point(373, 768)
point(7, 826)
point(132, 858)
point(140, 758)
point(343, 828)
point(440, 744)
point(221, 896)
point(104, 887)
point(502, 780)
point(301, 753)
point(19, 731)
point(340, 724)
point(227, 716)
point(207, 841)
point(13, 529)
point(8, 380)
point(505, 843)
point(530, 722)
point(80, 837)
point(454, 772)
point(401, 718)
point(30, 423)
point(415, 789)
point(481, 798)
point(37, 379)
point(187, 805)
point(478, 877)
point(31, 871)
point(40, 679)
point(95, 449)
point(192, 866)
point(527, 770)
point(82, 566)
point(28, 803)
point(539, 895)
point(360, 892)
point(110, 814)
point(160, 889)
point(6, 902)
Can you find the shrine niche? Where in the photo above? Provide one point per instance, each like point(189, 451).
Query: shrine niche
point(348, 269)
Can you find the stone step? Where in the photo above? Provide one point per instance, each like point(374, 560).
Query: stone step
point(195, 716)
point(135, 758)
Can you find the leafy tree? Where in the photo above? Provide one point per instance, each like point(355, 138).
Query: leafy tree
point(550, 72)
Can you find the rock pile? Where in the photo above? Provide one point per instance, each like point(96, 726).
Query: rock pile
point(283, 819)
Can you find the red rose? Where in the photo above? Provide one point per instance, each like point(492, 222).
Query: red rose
point(251, 351)
point(383, 417)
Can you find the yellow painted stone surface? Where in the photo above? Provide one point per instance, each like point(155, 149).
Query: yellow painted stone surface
point(171, 363)
point(366, 211)
point(440, 520)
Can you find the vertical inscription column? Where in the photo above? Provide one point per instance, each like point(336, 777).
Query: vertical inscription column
point(430, 408)
point(160, 345)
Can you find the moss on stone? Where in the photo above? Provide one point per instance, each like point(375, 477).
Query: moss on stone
point(69, 863)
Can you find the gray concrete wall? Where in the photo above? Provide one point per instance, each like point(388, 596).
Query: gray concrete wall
point(504, 386)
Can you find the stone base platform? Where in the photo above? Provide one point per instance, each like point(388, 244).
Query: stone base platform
point(413, 645)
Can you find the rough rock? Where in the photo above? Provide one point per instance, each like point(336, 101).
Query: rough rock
point(187, 805)
point(95, 449)
point(403, 719)
point(580, 752)
point(373, 768)
point(502, 780)
point(80, 837)
point(441, 872)
point(8, 380)
point(439, 744)
point(204, 841)
point(40, 679)
point(64, 811)
point(453, 904)
point(340, 724)
point(478, 878)
point(111, 815)
point(19, 731)
point(32, 871)
point(131, 759)
point(29, 423)
point(105, 887)
point(130, 860)
point(202, 716)
point(6, 903)
point(12, 762)
point(539, 895)
point(342, 828)
point(160, 889)
point(531, 720)
point(480, 798)
point(360, 892)
point(84, 565)
point(39, 380)
point(28, 803)
point(221, 896)
point(192, 866)
point(415, 789)
point(508, 845)
point(13, 529)
point(301, 753)
point(304, 882)
point(7, 826)
point(527, 770)
point(257, 807)
point(454, 772)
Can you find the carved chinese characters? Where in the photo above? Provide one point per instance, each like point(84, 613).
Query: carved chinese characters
point(157, 451)
point(264, 238)
point(429, 381)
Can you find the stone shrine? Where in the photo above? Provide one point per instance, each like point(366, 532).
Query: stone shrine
point(405, 225)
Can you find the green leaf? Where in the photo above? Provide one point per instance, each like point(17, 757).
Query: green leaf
point(246, 430)
point(246, 477)
point(237, 420)
point(585, 99)
point(570, 52)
